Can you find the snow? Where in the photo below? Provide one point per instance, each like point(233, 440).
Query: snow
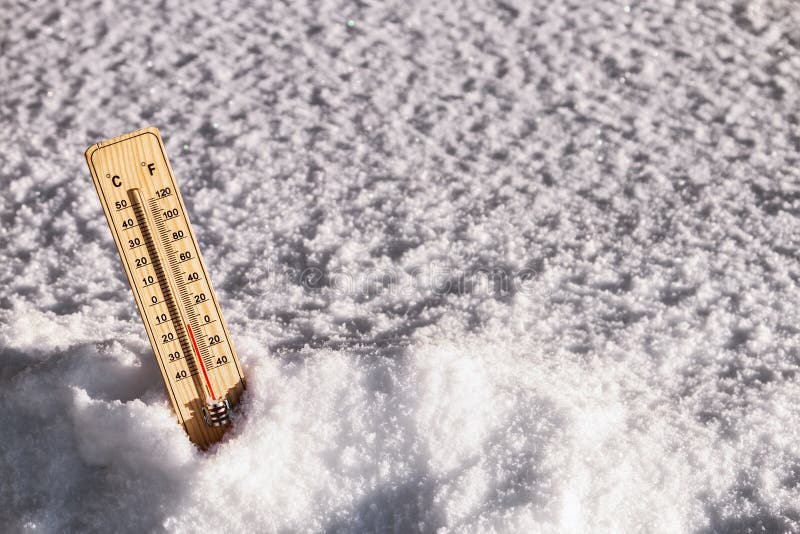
point(510, 267)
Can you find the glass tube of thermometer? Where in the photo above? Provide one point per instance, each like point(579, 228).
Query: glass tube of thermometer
point(169, 280)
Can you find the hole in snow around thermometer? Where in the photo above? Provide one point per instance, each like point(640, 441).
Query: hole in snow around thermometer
point(169, 280)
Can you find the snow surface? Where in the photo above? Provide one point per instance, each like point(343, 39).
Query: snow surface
point(489, 266)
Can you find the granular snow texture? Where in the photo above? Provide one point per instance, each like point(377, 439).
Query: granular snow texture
point(515, 266)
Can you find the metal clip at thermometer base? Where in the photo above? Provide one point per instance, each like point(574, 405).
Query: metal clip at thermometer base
point(217, 413)
point(169, 280)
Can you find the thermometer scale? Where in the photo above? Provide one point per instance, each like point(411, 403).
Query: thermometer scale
point(169, 280)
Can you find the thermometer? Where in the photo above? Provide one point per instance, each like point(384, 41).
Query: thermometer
point(169, 280)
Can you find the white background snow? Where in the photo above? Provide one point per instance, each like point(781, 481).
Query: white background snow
point(489, 266)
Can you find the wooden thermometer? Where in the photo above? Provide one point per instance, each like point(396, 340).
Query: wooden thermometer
point(169, 280)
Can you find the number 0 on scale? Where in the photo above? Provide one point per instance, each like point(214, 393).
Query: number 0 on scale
point(169, 280)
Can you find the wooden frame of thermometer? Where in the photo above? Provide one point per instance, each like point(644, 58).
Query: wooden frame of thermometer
point(169, 280)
